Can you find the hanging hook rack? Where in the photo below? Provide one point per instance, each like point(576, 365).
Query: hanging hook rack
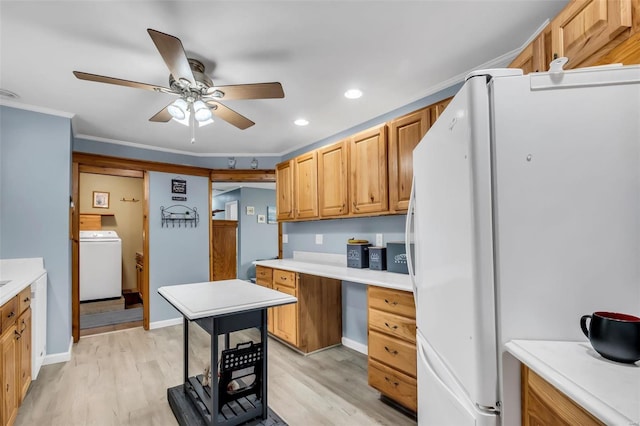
point(132, 200)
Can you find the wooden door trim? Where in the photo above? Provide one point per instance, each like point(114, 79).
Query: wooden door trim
point(145, 250)
point(75, 252)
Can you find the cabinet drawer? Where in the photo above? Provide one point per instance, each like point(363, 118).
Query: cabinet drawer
point(264, 276)
point(287, 278)
point(395, 325)
point(393, 384)
point(9, 312)
point(395, 301)
point(24, 299)
point(393, 352)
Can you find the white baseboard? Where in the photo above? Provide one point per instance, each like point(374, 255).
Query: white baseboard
point(352, 344)
point(59, 357)
point(165, 323)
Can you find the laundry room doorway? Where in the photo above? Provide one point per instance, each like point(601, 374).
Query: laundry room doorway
point(111, 229)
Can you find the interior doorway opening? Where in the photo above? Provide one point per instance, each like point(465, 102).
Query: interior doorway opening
point(241, 230)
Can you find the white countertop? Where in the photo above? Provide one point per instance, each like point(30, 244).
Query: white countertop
point(20, 273)
point(608, 390)
point(340, 272)
point(215, 298)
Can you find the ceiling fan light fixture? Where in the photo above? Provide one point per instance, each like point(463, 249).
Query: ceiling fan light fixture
point(178, 109)
point(201, 111)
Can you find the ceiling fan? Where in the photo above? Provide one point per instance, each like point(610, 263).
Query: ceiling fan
point(198, 98)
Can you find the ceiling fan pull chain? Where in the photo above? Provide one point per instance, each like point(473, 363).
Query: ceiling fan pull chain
point(192, 124)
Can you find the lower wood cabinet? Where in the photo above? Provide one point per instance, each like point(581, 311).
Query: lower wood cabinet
point(315, 322)
point(543, 404)
point(392, 345)
point(15, 354)
point(8, 362)
point(264, 277)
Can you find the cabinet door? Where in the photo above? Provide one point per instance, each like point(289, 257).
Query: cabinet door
point(332, 180)
point(284, 190)
point(587, 27)
point(264, 277)
point(285, 324)
point(368, 170)
point(437, 109)
point(305, 184)
point(9, 360)
point(524, 60)
point(543, 404)
point(404, 134)
point(24, 353)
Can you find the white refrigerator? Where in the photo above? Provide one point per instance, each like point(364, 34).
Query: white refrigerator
point(525, 215)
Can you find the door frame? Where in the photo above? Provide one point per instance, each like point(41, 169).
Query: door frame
point(103, 164)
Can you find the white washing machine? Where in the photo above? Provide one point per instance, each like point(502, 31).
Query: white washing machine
point(100, 265)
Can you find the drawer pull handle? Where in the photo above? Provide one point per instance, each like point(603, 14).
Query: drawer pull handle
point(283, 278)
point(26, 299)
point(394, 327)
point(390, 303)
point(11, 314)
point(392, 352)
point(18, 335)
point(388, 380)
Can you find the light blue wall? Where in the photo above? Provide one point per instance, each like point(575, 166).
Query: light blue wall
point(218, 202)
point(302, 236)
point(177, 255)
point(257, 240)
point(35, 182)
point(124, 151)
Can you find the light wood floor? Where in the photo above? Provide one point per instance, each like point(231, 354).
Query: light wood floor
point(121, 378)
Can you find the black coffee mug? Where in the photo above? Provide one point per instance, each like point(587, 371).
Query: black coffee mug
point(613, 335)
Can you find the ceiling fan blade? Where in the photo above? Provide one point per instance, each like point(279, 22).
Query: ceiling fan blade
point(247, 91)
point(119, 82)
point(230, 116)
point(162, 116)
point(172, 52)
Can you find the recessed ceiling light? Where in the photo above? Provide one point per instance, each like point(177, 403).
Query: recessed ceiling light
point(301, 122)
point(8, 94)
point(353, 94)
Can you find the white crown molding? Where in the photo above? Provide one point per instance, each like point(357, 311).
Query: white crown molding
point(34, 108)
point(172, 151)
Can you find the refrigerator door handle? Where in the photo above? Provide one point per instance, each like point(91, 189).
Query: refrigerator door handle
point(465, 402)
point(407, 240)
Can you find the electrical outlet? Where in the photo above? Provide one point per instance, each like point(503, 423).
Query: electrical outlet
point(379, 241)
point(285, 238)
point(318, 238)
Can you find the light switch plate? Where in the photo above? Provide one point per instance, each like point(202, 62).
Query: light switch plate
point(318, 238)
point(379, 241)
point(285, 238)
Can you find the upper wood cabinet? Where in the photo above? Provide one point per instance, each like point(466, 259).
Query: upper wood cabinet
point(368, 171)
point(587, 27)
point(537, 56)
point(284, 190)
point(333, 177)
point(404, 134)
point(305, 186)
point(437, 109)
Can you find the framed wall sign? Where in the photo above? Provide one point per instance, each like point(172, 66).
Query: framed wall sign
point(100, 199)
point(178, 186)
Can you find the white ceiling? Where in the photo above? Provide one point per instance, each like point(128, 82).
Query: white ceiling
point(395, 51)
